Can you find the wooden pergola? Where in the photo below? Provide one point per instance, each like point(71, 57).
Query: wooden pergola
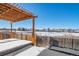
point(12, 13)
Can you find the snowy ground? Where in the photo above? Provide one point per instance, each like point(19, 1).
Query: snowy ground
point(45, 33)
point(51, 34)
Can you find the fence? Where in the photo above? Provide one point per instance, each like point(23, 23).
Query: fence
point(71, 43)
point(23, 36)
point(6, 35)
point(63, 42)
point(42, 41)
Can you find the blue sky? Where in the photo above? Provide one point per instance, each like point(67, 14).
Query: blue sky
point(49, 16)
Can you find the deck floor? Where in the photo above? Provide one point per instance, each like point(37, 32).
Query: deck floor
point(48, 52)
point(33, 51)
point(41, 51)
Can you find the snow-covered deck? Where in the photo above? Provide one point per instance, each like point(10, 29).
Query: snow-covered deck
point(33, 51)
point(11, 44)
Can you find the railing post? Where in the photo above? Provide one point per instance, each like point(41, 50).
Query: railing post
point(21, 36)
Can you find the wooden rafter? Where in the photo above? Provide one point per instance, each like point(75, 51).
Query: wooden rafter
point(13, 13)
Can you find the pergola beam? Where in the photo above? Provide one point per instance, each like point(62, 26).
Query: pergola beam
point(20, 10)
point(11, 12)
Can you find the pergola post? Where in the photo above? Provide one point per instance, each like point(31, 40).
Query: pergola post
point(11, 33)
point(33, 31)
point(11, 26)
